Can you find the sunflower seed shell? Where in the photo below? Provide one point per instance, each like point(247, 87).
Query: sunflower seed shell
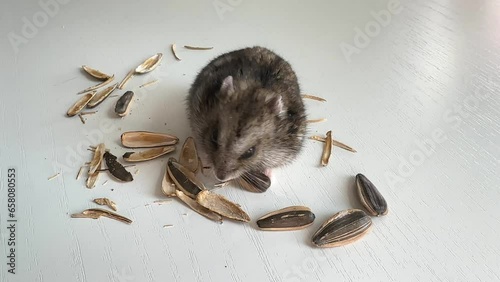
point(184, 179)
point(147, 154)
point(290, 218)
point(254, 181)
point(146, 139)
point(123, 104)
point(189, 155)
point(80, 104)
point(219, 204)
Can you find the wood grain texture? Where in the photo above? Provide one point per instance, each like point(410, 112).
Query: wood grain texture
point(432, 70)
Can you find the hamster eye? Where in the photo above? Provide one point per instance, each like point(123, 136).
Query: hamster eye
point(213, 138)
point(248, 154)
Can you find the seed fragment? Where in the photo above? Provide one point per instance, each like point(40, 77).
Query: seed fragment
point(342, 228)
point(105, 202)
point(53, 176)
point(95, 73)
point(80, 104)
point(254, 181)
point(197, 47)
point(316, 120)
point(334, 143)
point(100, 96)
point(175, 53)
point(123, 104)
point(92, 88)
point(147, 154)
point(197, 207)
point(80, 172)
point(97, 158)
point(312, 97)
point(289, 218)
point(219, 204)
point(370, 197)
point(149, 83)
point(189, 155)
point(92, 179)
point(96, 213)
point(146, 139)
point(148, 65)
point(116, 169)
point(167, 184)
point(184, 179)
point(327, 149)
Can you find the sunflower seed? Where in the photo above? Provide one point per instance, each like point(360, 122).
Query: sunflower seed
point(290, 218)
point(254, 181)
point(116, 169)
point(123, 104)
point(147, 154)
point(80, 104)
point(327, 149)
point(105, 202)
point(146, 139)
point(197, 207)
point(219, 204)
point(184, 179)
point(370, 197)
point(189, 155)
point(342, 228)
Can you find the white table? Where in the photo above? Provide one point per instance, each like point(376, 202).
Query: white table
point(416, 93)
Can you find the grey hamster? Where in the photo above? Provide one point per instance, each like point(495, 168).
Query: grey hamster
point(246, 112)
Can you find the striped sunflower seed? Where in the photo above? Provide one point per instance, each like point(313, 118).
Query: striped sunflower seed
point(342, 228)
point(370, 197)
point(290, 218)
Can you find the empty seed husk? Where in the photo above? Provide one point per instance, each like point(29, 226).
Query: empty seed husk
point(96, 213)
point(189, 155)
point(290, 218)
point(147, 154)
point(105, 202)
point(370, 197)
point(197, 47)
point(146, 139)
point(148, 65)
point(197, 207)
point(80, 104)
point(116, 169)
point(123, 104)
point(97, 158)
point(101, 95)
point(342, 228)
point(95, 73)
point(92, 88)
point(327, 149)
point(254, 181)
point(167, 184)
point(184, 179)
point(219, 204)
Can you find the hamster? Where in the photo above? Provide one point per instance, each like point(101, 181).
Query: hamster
point(246, 113)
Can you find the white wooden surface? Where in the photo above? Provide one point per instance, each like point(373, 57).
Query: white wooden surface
point(431, 72)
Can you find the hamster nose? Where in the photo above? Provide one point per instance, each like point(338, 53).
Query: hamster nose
point(221, 175)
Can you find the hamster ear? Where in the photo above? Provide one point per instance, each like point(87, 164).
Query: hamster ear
point(227, 87)
point(275, 103)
